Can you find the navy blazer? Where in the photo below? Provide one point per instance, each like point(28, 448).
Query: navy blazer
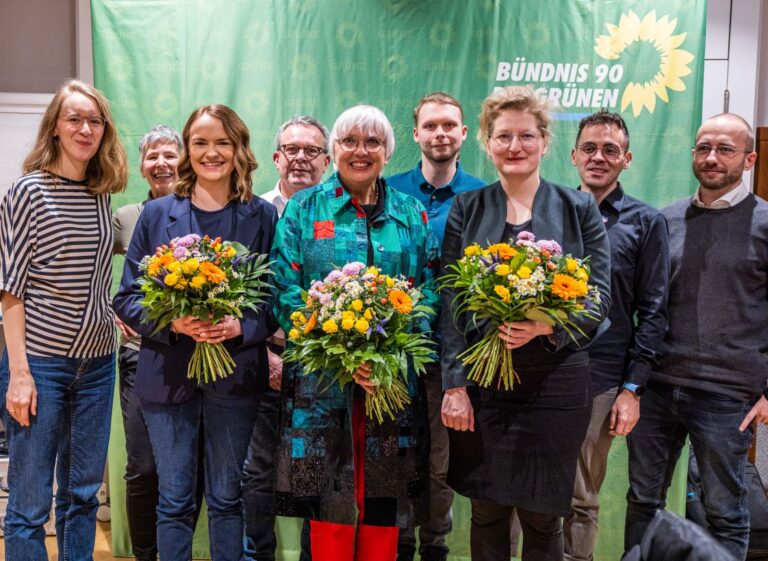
point(161, 374)
point(565, 215)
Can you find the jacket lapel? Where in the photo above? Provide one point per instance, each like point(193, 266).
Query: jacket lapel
point(493, 226)
point(179, 219)
point(547, 214)
point(247, 228)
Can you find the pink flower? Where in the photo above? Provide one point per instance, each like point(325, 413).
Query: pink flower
point(353, 269)
point(525, 236)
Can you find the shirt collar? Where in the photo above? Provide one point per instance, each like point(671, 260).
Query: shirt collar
point(614, 200)
point(731, 198)
point(341, 200)
point(454, 185)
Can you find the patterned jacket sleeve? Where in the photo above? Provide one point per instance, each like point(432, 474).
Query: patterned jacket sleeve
point(288, 260)
point(18, 233)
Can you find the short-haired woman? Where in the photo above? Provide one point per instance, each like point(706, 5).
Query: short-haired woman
point(213, 197)
point(57, 374)
point(355, 480)
point(518, 449)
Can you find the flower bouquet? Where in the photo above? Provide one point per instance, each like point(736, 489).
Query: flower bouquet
point(208, 279)
point(516, 281)
point(358, 315)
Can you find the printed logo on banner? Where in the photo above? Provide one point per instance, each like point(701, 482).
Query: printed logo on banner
point(348, 35)
point(657, 65)
point(442, 34)
point(636, 37)
point(166, 103)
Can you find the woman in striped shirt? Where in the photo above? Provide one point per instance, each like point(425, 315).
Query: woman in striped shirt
point(57, 373)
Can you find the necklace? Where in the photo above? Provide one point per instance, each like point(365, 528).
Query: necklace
point(375, 194)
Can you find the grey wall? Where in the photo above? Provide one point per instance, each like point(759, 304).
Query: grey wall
point(37, 45)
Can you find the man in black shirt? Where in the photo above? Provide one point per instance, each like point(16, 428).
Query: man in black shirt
point(622, 356)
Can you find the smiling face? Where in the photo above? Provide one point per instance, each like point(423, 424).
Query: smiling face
point(716, 172)
point(358, 168)
point(158, 167)
point(600, 172)
point(513, 160)
point(78, 143)
point(300, 172)
point(440, 131)
point(211, 152)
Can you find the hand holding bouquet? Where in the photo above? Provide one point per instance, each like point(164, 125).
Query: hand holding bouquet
point(516, 281)
point(358, 316)
point(206, 279)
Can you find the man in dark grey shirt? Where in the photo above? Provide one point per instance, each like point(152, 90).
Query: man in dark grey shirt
point(711, 382)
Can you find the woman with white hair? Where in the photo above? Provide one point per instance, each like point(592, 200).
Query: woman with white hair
point(355, 480)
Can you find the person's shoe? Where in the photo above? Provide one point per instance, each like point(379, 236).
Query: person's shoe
point(433, 554)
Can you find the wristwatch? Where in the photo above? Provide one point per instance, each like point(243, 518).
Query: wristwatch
point(634, 388)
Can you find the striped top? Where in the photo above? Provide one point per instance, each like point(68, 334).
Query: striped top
point(55, 256)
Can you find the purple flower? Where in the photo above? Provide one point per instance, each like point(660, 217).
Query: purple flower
point(525, 236)
point(325, 299)
point(380, 330)
point(180, 252)
point(353, 269)
point(188, 241)
point(551, 246)
point(334, 276)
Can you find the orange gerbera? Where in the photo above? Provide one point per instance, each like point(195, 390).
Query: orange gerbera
point(401, 301)
point(311, 323)
point(568, 288)
point(212, 272)
point(503, 250)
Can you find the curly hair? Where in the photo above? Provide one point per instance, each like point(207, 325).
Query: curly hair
point(240, 182)
point(107, 170)
point(516, 98)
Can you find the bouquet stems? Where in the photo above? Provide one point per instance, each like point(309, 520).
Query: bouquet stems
point(490, 360)
point(210, 361)
point(387, 401)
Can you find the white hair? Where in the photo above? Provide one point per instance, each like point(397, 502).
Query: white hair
point(369, 120)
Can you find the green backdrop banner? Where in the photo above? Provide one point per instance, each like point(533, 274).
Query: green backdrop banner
point(157, 60)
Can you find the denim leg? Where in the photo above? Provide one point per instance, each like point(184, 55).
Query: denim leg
point(258, 481)
point(173, 431)
point(140, 472)
point(31, 490)
point(721, 453)
point(654, 447)
point(229, 424)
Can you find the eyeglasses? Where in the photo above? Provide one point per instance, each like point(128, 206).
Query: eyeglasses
point(722, 150)
point(371, 144)
point(76, 121)
point(292, 151)
point(610, 151)
point(527, 139)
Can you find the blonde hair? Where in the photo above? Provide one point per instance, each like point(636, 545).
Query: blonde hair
point(107, 170)
point(241, 183)
point(516, 98)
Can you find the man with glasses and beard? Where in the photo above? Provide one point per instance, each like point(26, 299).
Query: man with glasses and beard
point(440, 131)
point(710, 384)
point(620, 358)
point(301, 157)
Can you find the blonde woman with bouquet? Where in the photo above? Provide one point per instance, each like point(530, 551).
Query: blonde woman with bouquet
point(57, 374)
point(213, 198)
point(355, 478)
point(516, 449)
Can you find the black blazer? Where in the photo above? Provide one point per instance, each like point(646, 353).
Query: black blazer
point(565, 215)
point(161, 373)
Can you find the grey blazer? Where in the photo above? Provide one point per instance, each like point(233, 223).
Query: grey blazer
point(565, 215)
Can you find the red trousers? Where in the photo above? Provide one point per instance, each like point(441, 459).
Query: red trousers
point(347, 542)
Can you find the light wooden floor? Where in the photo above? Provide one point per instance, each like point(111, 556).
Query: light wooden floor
point(102, 550)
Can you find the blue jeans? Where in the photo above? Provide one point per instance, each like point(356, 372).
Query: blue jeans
point(174, 432)
point(667, 414)
point(70, 431)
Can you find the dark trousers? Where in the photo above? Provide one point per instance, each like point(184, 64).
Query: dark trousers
point(667, 415)
point(432, 533)
point(489, 535)
point(258, 481)
point(141, 493)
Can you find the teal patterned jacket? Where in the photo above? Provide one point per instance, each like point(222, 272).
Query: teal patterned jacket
point(324, 227)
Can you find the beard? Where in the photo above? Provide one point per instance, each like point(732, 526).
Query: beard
point(731, 176)
point(441, 156)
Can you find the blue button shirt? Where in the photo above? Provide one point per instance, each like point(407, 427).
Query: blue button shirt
point(436, 200)
point(628, 349)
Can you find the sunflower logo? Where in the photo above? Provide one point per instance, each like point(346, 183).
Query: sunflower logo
point(650, 40)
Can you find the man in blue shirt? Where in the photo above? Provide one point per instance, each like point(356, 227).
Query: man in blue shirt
point(440, 131)
point(621, 358)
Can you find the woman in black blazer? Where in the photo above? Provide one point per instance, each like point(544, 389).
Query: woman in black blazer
point(214, 197)
point(518, 449)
